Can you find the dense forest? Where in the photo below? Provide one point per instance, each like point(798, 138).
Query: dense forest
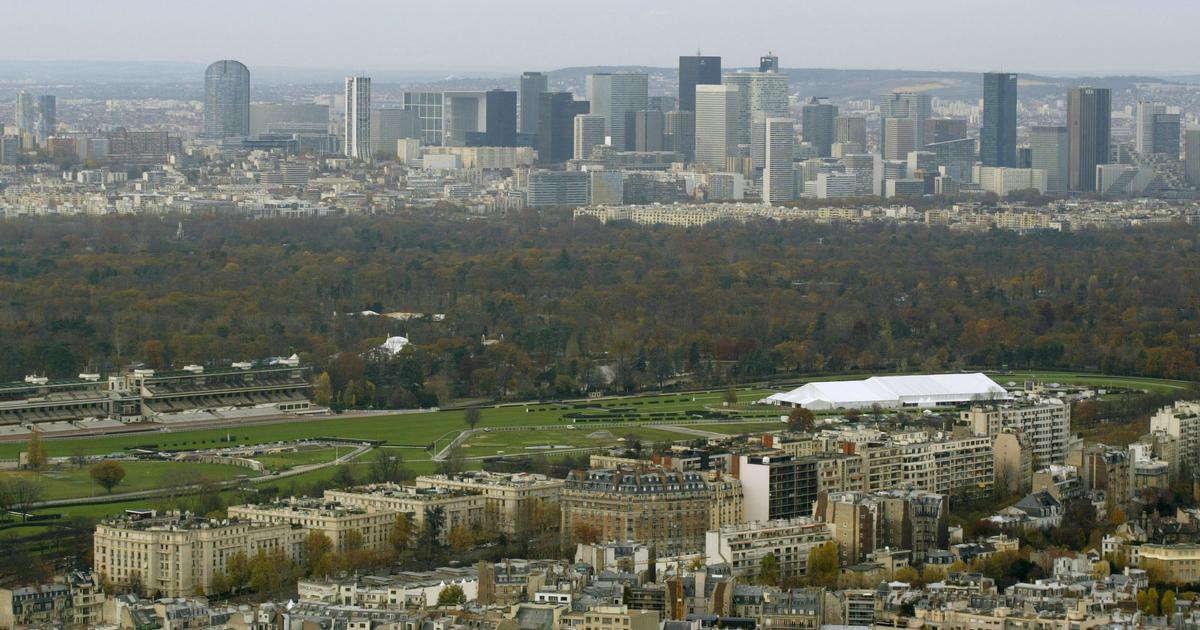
point(568, 307)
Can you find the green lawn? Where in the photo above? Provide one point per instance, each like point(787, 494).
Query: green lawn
point(283, 461)
point(412, 429)
point(1074, 378)
point(69, 483)
point(735, 428)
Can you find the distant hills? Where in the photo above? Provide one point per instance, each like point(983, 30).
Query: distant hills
point(837, 84)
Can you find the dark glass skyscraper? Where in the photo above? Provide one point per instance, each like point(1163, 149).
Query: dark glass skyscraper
point(226, 100)
point(998, 138)
point(1089, 124)
point(695, 71)
point(818, 125)
point(531, 88)
point(556, 126)
point(47, 116)
point(501, 118)
point(768, 63)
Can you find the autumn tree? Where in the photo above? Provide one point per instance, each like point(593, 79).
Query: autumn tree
point(388, 467)
point(801, 419)
point(908, 575)
point(35, 452)
point(451, 595)
point(824, 565)
point(1168, 605)
point(20, 494)
point(400, 536)
point(768, 570)
point(323, 390)
point(472, 416)
point(316, 546)
point(107, 473)
point(1148, 601)
point(585, 533)
point(461, 538)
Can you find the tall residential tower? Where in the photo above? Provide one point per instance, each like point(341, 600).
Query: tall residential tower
point(358, 118)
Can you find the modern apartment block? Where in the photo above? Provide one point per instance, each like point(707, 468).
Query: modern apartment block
point(1182, 422)
point(777, 486)
point(742, 547)
point(1046, 422)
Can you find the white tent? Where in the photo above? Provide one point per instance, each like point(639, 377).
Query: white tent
point(921, 390)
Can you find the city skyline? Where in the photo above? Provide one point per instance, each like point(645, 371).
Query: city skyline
point(661, 33)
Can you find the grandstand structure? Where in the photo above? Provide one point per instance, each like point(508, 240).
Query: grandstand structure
point(193, 393)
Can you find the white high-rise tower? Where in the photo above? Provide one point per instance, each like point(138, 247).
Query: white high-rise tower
point(358, 117)
point(717, 113)
point(779, 173)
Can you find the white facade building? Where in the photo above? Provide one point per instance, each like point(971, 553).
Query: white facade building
point(358, 118)
point(891, 392)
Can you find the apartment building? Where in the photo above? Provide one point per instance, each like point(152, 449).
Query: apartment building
point(1047, 423)
point(510, 499)
point(742, 547)
point(777, 486)
point(1182, 422)
point(333, 520)
point(459, 508)
point(74, 599)
point(176, 556)
point(619, 618)
point(651, 505)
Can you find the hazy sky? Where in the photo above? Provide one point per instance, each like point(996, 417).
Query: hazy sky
point(1042, 36)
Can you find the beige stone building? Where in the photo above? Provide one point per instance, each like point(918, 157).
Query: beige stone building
point(667, 509)
point(74, 599)
point(619, 618)
point(727, 505)
point(459, 507)
point(512, 500)
point(177, 556)
point(1179, 564)
point(333, 520)
point(1014, 461)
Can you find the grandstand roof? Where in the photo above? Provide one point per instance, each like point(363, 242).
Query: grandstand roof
point(921, 390)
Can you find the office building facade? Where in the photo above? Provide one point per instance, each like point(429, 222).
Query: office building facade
point(1089, 123)
point(615, 95)
point(530, 94)
point(693, 71)
point(818, 125)
point(226, 99)
point(556, 129)
point(1051, 153)
point(779, 172)
point(717, 113)
point(998, 137)
point(589, 133)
